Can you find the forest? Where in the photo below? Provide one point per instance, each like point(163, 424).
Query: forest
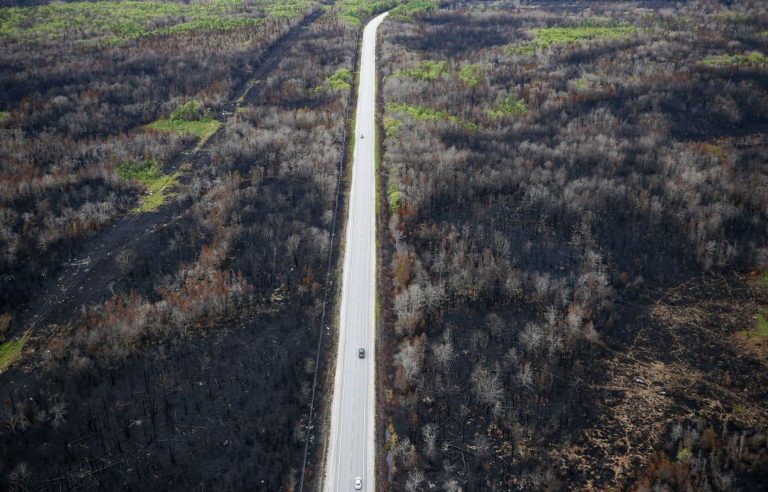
point(169, 174)
point(574, 268)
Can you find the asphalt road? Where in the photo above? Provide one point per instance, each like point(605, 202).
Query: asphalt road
point(351, 450)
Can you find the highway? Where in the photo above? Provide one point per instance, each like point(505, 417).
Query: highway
point(351, 450)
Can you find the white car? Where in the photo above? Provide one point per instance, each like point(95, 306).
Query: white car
point(358, 483)
point(362, 136)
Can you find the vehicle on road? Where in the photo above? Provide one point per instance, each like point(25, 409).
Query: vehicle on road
point(362, 136)
point(358, 480)
point(361, 353)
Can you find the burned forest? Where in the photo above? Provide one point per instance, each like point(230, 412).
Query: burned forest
point(574, 247)
point(564, 232)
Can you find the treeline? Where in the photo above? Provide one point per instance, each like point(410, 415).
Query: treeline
point(551, 178)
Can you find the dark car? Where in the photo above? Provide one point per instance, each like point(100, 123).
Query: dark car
point(361, 353)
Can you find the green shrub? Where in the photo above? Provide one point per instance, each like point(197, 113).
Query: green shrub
point(190, 118)
point(425, 70)
point(425, 113)
point(392, 126)
point(684, 454)
point(510, 105)
point(340, 80)
point(393, 194)
point(190, 111)
point(471, 74)
point(145, 172)
point(752, 59)
point(548, 36)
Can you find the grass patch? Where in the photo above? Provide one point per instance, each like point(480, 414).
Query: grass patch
point(201, 129)
point(425, 113)
point(190, 118)
point(10, 351)
point(157, 184)
point(471, 74)
point(4, 116)
point(759, 331)
point(510, 106)
point(116, 22)
point(752, 59)
point(426, 70)
point(158, 192)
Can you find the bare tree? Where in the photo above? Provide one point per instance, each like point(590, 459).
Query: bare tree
point(415, 478)
point(486, 386)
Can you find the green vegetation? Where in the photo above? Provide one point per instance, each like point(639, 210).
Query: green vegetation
point(281, 9)
point(115, 22)
point(760, 330)
point(412, 7)
point(357, 11)
point(392, 126)
point(545, 37)
point(11, 351)
point(425, 113)
point(393, 192)
point(4, 116)
point(425, 70)
point(340, 80)
point(191, 111)
point(146, 171)
point(521, 49)
point(734, 18)
point(150, 174)
point(471, 74)
point(581, 84)
point(190, 118)
point(202, 129)
point(510, 106)
point(752, 59)
point(684, 454)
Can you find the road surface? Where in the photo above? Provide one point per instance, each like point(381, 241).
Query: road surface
point(351, 450)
